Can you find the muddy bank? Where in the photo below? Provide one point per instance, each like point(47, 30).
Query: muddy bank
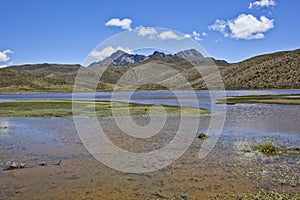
point(227, 169)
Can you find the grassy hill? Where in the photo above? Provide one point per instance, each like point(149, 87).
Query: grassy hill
point(35, 78)
point(279, 70)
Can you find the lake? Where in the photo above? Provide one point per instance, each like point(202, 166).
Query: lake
point(227, 168)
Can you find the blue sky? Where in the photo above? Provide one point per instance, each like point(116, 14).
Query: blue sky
point(66, 31)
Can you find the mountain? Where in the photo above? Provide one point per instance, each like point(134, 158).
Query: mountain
point(280, 70)
point(120, 58)
point(189, 53)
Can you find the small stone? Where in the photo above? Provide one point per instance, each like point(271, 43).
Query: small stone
point(202, 136)
point(42, 163)
point(15, 165)
point(22, 165)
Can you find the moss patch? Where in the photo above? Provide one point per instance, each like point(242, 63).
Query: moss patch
point(270, 149)
point(267, 149)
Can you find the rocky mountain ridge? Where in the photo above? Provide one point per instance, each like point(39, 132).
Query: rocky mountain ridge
point(120, 58)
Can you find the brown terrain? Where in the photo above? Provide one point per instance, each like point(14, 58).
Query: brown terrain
point(271, 71)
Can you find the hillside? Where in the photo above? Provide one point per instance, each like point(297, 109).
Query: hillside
point(279, 70)
point(38, 78)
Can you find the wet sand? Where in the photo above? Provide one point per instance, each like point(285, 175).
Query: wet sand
point(226, 169)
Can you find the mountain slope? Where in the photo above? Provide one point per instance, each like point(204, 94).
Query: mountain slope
point(22, 82)
point(271, 71)
point(279, 70)
point(189, 53)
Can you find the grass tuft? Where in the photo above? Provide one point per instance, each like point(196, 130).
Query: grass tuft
point(267, 149)
point(270, 149)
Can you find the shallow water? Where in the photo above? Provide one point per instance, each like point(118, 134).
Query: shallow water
point(226, 169)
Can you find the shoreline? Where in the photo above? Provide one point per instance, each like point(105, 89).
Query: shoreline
point(63, 92)
point(286, 99)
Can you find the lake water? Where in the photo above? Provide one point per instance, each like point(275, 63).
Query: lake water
point(226, 168)
point(162, 97)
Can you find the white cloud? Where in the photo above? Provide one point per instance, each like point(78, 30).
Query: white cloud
point(219, 25)
point(249, 27)
point(108, 51)
point(124, 23)
point(151, 32)
point(262, 3)
point(170, 35)
point(187, 35)
point(204, 34)
point(4, 55)
point(196, 36)
point(2, 66)
point(244, 27)
point(147, 31)
point(167, 35)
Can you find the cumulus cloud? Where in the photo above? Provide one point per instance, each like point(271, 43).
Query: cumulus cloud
point(196, 35)
point(187, 35)
point(151, 32)
point(108, 51)
point(262, 3)
point(146, 31)
point(124, 23)
point(249, 27)
point(4, 57)
point(2, 66)
point(167, 35)
point(170, 35)
point(221, 26)
point(244, 27)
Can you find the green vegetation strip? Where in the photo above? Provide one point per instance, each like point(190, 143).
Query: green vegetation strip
point(268, 148)
point(272, 150)
point(268, 99)
point(63, 108)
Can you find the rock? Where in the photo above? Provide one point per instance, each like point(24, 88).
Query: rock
point(22, 165)
point(11, 165)
point(42, 163)
point(202, 136)
point(58, 162)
